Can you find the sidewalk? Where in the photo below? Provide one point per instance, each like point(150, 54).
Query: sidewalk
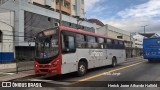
point(140, 57)
point(12, 76)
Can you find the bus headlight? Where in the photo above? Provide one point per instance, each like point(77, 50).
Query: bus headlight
point(36, 65)
point(55, 63)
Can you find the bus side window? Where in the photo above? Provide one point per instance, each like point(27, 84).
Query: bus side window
point(109, 43)
point(92, 43)
point(63, 43)
point(101, 43)
point(116, 45)
point(80, 41)
point(121, 44)
point(68, 44)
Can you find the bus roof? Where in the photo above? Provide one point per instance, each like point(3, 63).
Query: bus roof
point(85, 32)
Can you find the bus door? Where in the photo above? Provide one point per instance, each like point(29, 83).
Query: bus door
point(69, 57)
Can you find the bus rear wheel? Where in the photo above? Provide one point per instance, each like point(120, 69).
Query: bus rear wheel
point(114, 62)
point(149, 60)
point(82, 68)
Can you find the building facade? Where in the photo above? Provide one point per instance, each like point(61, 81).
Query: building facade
point(120, 34)
point(33, 16)
point(138, 44)
point(6, 43)
point(70, 7)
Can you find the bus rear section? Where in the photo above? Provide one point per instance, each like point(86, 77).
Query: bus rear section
point(151, 49)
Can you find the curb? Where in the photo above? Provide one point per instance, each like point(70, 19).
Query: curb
point(14, 76)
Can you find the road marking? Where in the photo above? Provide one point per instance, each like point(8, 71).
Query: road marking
point(50, 81)
point(131, 62)
point(101, 74)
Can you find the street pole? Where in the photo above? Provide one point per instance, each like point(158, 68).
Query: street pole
point(131, 43)
point(145, 28)
point(60, 13)
point(78, 23)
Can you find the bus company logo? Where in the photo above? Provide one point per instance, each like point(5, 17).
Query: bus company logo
point(6, 84)
point(95, 53)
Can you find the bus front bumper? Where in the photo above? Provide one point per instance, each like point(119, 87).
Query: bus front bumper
point(46, 71)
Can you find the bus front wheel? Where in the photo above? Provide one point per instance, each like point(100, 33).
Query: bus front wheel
point(149, 61)
point(82, 68)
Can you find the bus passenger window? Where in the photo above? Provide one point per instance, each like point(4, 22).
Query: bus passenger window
point(68, 44)
point(109, 43)
point(71, 44)
point(92, 44)
point(63, 43)
point(101, 43)
point(80, 41)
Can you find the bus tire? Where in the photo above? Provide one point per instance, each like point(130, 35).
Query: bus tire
point(39, 75)
point(82, 68)
point(151, 60)
point(114, 62)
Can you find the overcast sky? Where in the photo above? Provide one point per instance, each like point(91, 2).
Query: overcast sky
point(128, 15)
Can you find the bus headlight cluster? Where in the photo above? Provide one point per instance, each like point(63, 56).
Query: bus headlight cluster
point(54, 64)
point(36, 65)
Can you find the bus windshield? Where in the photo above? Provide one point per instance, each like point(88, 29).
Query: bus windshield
point(47, 44)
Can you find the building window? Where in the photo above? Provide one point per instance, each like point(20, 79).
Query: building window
point(1, 36)
point(74, 7)
point(82, 1)
point(83, 11)
point(58, 2)
point(67, 4)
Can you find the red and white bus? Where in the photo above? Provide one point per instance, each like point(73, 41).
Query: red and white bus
point(64, 50)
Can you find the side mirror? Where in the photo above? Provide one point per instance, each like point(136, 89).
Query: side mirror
point(56, 24)
point(29, 43)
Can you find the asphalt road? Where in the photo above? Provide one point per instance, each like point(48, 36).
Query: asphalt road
point(132, 70)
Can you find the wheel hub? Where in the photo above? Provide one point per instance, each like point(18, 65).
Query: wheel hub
point(82, 68)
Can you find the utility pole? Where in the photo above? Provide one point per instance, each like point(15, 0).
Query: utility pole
point(145, 28)
point(60, 13)
point(131, 43)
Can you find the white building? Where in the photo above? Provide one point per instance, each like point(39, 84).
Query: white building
point(6, 43)
point(77, 8)
point(138, 44)
point(117, 33)
point(33, 16)
point(138, 41)
point(71, 7)
point(120, 34)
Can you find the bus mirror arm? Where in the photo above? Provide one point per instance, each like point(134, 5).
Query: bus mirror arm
point(67, 49)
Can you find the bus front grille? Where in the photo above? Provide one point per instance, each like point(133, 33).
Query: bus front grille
point(44, 70)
